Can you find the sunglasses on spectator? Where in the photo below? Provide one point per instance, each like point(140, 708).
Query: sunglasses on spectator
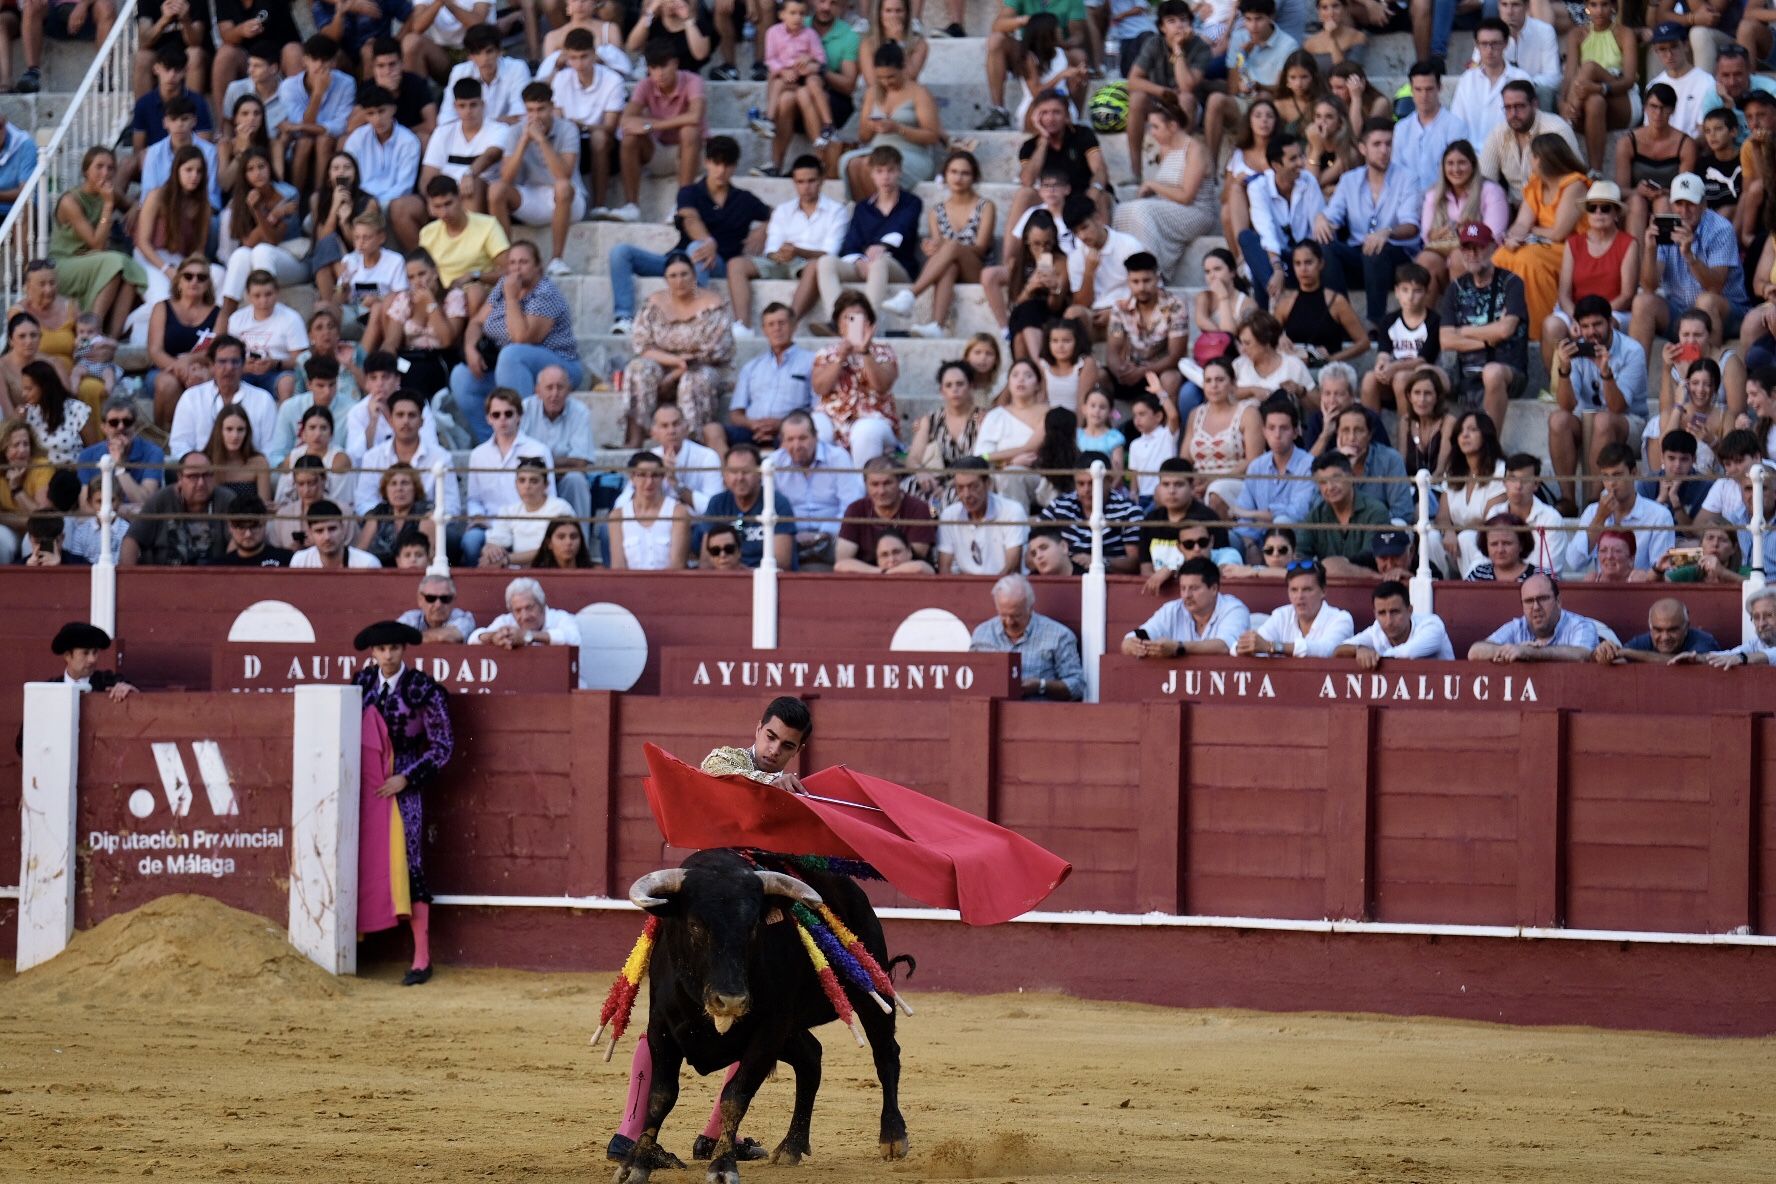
point(438, 597)
point(1279, 550)
point(1601, 207)
point(1300, 565)
point(1193, 544)
point(728, 549)
point(506, 414)
point(194, 275)
point(126, 422)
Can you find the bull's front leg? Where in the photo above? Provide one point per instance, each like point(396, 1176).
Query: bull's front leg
point(736, 1098)
point(801, 1053)
point(646, 1155)
point(879, 1027)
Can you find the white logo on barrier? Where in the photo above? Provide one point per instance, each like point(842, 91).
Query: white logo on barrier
point(176, 782)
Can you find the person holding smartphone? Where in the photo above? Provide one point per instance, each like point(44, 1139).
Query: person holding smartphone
point(1600, 380)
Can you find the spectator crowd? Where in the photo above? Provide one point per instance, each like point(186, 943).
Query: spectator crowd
point(1404, 281)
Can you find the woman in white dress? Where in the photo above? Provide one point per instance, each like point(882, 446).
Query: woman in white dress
point(1012, 432)
point(1176, 203)
point(649, 532)
point(1473, 490)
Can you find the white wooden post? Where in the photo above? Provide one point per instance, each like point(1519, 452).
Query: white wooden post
point(440, 565)
point(1094, 592)
point(51, 764)
point(324, 781)
point(1423, 597)
point(764, 576)
point(103, 609)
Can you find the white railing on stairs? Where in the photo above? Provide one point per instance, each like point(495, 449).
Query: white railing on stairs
point(97, 114)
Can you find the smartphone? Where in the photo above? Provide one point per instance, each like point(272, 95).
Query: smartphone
point(1585, 349)
point(1141, 635)
point(1683, 556)
point(1047, 262)
point(1665, 223)
point(364, 290)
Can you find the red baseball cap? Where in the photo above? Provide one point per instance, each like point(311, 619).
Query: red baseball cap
point(1478, 233)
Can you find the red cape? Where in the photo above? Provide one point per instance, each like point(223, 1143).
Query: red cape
point(927, 849)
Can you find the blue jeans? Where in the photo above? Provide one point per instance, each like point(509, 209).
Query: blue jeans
point(517, 369)
point(1377, 270)
point(1252, 248)
point(627, 262)
point(474, 538)
point(1443, 20)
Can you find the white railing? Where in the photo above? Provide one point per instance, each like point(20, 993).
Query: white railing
point(1423, 598)
point(97, 114)
point(440, 565)
point(1094, 592)
point(764, 576)
point(103, 612)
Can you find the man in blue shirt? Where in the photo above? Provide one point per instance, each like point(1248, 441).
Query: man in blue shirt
point(1700, 267)
point(1600, 377)
point(742, 501)
point(1421, 137)
point(18, 160)
point(1668, 634)
point(1619, 507)
point(387, 153)
point(138, 473)
point(882, 242)
point(1677, 486)
point(1544, 633)
point(1378, 208)
point(1050, 653)
point(317, 104)
point(1265, 498)
point(1285, 206)
point(180, 122)
point(820, 481)
point(772, 385)
point(169, 83)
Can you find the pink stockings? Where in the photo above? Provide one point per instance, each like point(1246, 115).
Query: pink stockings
point(641, 1078)
point(421, 924)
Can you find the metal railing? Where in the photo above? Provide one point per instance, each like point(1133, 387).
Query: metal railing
point(97, 114)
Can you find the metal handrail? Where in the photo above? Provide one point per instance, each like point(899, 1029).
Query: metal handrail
point(97, 114)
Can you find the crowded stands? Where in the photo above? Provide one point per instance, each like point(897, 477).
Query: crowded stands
point(605, 261)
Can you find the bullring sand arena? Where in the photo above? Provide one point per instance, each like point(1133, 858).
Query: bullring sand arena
point(187, 1041)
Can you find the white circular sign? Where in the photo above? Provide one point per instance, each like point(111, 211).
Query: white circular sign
point(141, 803)
point(613, 647)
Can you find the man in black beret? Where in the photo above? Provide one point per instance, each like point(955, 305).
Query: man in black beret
point(79, 645)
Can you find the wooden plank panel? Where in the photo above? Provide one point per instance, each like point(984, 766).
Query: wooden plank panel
point(1259, 729)
point(1409, 903)
point(1347, 812)
point(1541, 814)
point(1245, 769)
point(1652, 825)
point(592, 791)
point(1628, 735)
point(1158, 877)
point(1439, 773)
point(1448, 816)
point(1665, 869)
point(1731, 823)
point(1290, 857)
point(1474, 862)
point(1626, 777)
point(1438, 731)
point(1214, 810)
point(1643, 910)
point(1256, 896)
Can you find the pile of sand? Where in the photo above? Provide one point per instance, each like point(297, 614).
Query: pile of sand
point(176, 949)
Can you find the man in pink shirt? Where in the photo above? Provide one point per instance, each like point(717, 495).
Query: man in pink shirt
point(668, 109)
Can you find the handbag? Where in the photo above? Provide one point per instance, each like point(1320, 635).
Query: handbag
point(1211, 345)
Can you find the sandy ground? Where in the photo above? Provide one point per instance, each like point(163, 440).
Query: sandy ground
point(192, 1046)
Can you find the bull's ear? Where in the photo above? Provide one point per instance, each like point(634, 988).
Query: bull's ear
point(655, 892)
point(778, 884)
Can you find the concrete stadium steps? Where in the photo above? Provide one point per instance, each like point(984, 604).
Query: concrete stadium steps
point(970, 314)
point(38, 114)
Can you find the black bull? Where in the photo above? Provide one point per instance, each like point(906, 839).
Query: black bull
point(732, 982)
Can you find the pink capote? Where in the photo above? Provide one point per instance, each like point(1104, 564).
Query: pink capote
point(933, 852)
point(382, 846)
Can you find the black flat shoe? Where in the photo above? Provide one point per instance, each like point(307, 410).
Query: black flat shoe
point(620, 1147)
point(414, 978)
point(748, 1149)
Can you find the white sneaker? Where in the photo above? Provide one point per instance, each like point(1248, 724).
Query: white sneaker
point(622, 325)
point(742, 333)
point(900, 304)
point(558, 267)
point(626, 213)
point(929, 329)
point(597, 214)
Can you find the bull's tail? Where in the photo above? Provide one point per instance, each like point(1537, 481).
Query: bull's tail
point(912, 965)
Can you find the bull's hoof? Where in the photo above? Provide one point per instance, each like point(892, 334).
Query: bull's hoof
point(633, 1173)
point(789, 1153)
point(722, 1175)
point(894, 1148)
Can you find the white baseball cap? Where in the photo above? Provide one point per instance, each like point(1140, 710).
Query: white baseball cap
point(1687, 187)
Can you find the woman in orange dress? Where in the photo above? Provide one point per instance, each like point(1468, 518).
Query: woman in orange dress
point(1553, 200)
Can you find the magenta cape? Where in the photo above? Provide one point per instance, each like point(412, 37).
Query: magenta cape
point(927, 849)
point(383, 896)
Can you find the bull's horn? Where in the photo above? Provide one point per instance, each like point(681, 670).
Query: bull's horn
point(652, 889)
point(778, 884)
